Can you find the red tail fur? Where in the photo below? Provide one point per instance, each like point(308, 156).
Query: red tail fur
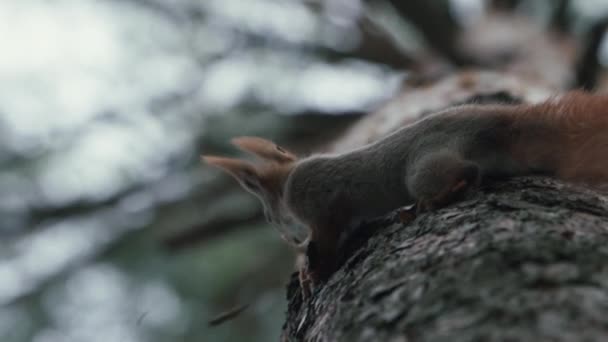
point(568, 134)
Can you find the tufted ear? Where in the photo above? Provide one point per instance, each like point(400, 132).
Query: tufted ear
point(245, 173)
point(264, 149)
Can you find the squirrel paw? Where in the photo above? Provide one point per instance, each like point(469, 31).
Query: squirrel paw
point(306, 283)
point(443, 198)
point(407, 215)
point(458, 187)
point(423, 206)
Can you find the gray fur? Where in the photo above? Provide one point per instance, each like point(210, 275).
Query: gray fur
point(406, 166)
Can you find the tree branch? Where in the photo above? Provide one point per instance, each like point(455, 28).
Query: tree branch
point(522, 260)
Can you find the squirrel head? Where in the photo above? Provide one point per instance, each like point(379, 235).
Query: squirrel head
point(265, 179)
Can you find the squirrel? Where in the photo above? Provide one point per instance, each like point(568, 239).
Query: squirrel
point(429, 163)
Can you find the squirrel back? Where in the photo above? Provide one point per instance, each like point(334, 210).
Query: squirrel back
point(430, 163)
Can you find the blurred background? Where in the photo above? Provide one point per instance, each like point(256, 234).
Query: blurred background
point(111, 230)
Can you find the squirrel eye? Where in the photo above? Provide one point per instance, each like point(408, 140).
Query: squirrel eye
point(280, 149)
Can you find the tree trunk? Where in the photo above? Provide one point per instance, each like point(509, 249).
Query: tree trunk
point(519, 260)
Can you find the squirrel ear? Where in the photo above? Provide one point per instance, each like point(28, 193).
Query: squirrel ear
point(264, 149)
point(244, 172)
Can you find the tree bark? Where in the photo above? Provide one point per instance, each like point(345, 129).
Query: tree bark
point(518, 260)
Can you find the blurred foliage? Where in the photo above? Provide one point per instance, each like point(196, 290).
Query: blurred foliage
point(104, 109)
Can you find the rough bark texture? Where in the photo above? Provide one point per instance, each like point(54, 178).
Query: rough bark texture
point(520, 260)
